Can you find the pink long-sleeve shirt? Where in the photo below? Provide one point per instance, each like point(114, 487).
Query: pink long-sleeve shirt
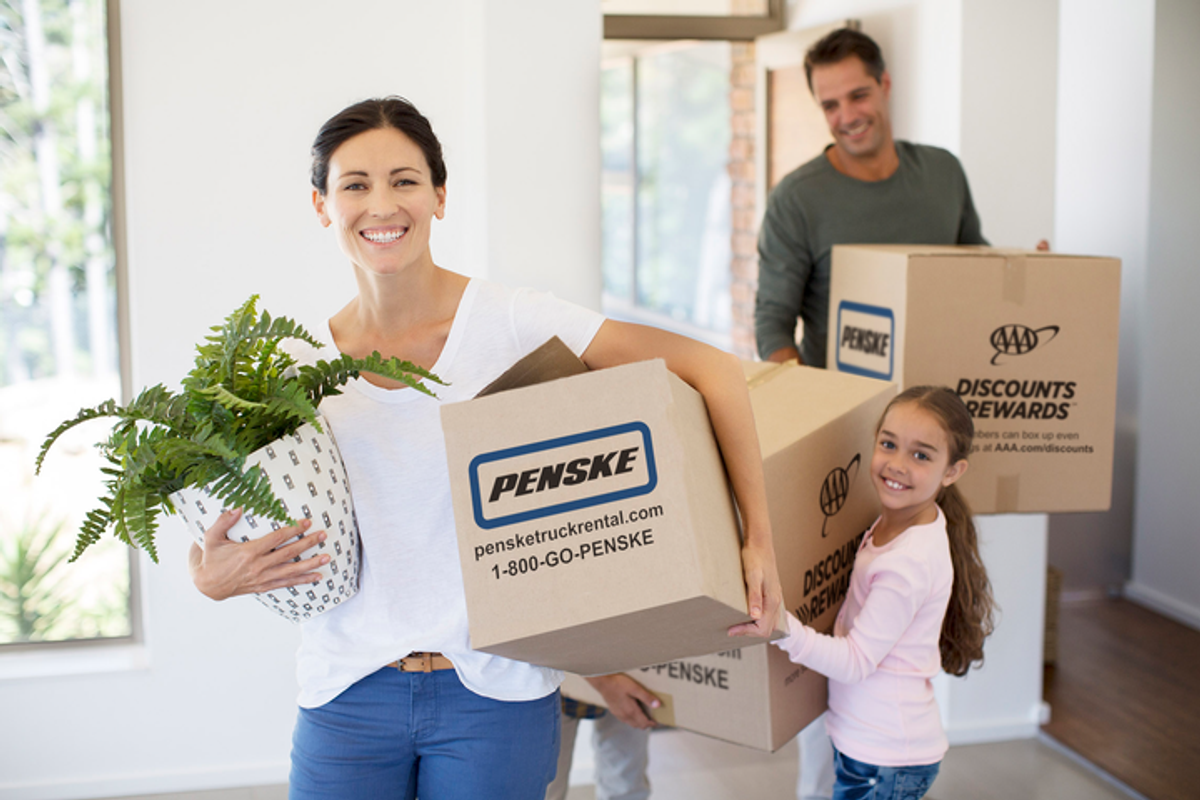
point(883, 653)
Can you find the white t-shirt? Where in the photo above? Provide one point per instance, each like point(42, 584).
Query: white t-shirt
point(411, 596)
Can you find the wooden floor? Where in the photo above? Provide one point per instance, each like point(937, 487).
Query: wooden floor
point(1125, 695)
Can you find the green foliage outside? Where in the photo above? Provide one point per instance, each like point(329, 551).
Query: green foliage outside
point(55, 174)
point(664, 138)
point(683, 149)
point(38, 601)
point(57, 304)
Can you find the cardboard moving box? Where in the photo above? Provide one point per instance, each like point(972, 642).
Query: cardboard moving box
point(817, 431)
point(1027, 339)
point(596, 527)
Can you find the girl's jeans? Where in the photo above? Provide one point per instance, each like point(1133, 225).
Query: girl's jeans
point(856, 780)
point(403, 734)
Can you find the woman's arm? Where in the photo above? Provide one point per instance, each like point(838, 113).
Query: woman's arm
point(224, 568)
point(719, 378)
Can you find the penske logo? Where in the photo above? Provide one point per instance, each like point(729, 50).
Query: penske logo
point(555, 476)
point(1017, 340)
point(836, 489)
point(866, 335)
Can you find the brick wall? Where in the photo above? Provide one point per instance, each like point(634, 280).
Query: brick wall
point(744, 266)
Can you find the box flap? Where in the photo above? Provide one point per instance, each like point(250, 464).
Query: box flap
point(791, 401)
point(959, 250)
point(920, 249)
point(549, 362)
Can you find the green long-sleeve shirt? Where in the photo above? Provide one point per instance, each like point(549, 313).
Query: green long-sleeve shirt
point(926, 201)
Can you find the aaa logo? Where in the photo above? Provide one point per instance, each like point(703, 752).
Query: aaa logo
point(836, 489)
point(1017, 340)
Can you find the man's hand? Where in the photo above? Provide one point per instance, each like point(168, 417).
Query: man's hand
point(225, 568)
point(625, 699)
point(785, 354)
point(764, 592)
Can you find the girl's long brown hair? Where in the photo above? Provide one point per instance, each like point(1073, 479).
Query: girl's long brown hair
point(969, 617)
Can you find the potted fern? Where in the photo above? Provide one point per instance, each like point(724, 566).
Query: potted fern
point(245, 432)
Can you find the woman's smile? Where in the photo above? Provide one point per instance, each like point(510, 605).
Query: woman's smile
point(383, 235)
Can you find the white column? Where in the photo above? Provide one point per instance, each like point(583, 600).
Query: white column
point(1003, 699)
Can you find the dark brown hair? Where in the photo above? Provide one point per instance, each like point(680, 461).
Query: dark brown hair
point(842, 44)
point(969, 616)
point(368, 115)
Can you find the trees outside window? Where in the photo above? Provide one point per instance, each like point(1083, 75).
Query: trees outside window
point(58, 318)
point(665, 137)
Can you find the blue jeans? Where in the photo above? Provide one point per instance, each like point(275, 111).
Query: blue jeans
point(857, 780)
point(403, 734)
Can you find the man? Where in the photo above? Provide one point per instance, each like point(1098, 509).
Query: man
point(865, 188)
point(620, 739)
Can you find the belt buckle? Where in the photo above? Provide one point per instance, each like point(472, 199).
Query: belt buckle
point(423, 663)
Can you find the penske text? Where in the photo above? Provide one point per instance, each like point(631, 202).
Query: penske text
point(576, 540)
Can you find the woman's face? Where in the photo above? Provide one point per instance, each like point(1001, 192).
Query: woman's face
point(380, 201)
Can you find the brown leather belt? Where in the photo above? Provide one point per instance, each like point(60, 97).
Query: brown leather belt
point(422, 662)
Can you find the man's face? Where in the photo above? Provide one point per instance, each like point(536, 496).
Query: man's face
point(855, 106)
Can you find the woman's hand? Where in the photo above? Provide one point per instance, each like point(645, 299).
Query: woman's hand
point(764, 593)
point(224, 568)
point(627, 699)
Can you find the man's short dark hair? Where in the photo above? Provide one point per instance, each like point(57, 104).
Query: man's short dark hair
point(842, 44)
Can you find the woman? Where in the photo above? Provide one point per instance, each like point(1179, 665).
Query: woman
point(468, 724)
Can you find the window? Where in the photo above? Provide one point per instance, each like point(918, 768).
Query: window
point(678, 150)
point(665, 134)
point(58, 320)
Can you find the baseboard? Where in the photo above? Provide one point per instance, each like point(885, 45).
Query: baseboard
point(1181, 612)
point(147, 783)
point(1003, 731)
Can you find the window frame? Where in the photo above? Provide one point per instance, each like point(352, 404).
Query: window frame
point(667, 26)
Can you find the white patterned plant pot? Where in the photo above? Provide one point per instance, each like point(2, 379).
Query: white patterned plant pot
point(307, 474)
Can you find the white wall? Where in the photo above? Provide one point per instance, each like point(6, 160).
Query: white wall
point(1009, 99)
point(1166, 549)
point(221, 101)
point(541, 91)
point(1102, 207)
point(1008, 151)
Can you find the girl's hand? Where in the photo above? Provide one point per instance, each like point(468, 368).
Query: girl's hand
point(764, 593)
point(225, 568)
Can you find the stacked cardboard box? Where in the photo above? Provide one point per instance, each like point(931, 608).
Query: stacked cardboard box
point(816, 429)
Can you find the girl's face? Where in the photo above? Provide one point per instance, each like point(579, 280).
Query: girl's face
point(911, 462)
point(381, 201)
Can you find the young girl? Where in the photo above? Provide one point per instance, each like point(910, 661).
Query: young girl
point(919, 600)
